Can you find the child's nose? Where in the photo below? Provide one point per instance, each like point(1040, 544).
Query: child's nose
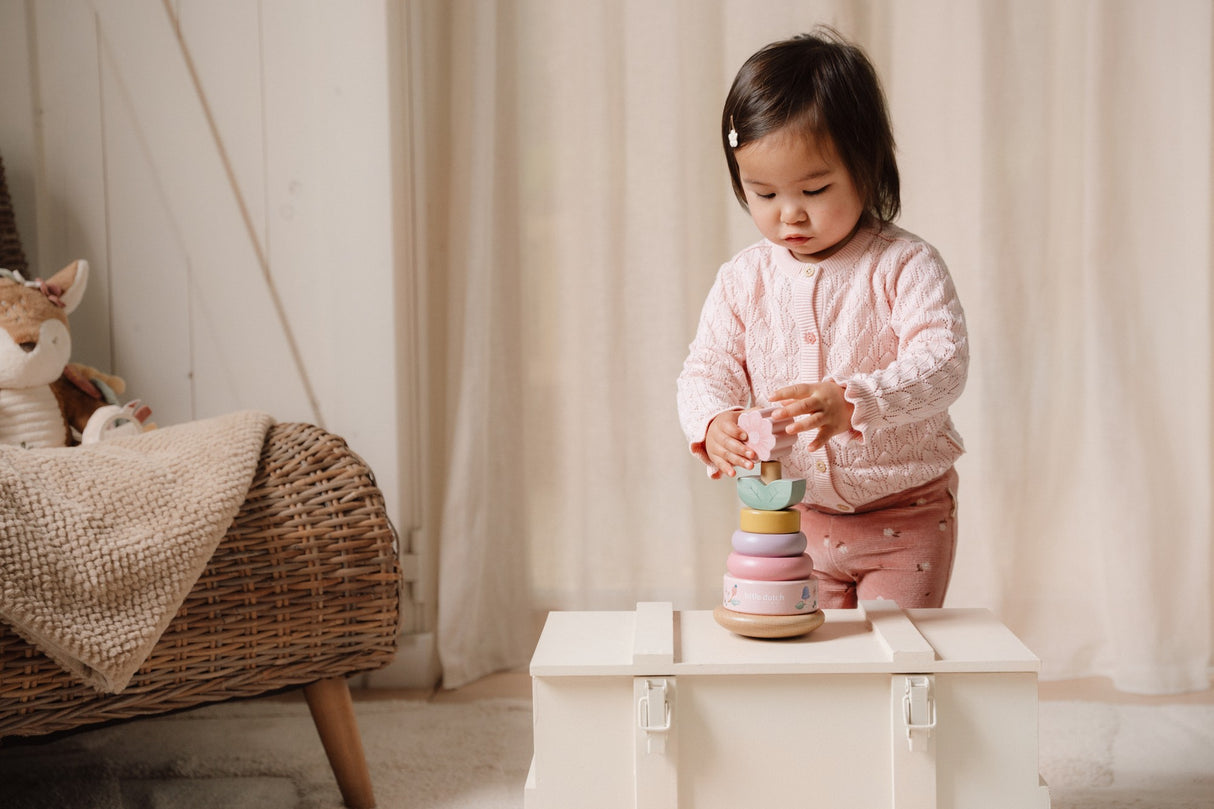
point(791, 214)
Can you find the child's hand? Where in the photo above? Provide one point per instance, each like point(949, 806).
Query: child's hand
point(725, 443)
point(822, 403)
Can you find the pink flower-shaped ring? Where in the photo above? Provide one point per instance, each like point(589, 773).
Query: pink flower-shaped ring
point(767, 437)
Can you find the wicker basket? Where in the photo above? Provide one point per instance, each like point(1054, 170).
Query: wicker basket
point(304, 586)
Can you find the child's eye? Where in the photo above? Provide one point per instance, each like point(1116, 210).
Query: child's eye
point(816, 191)
point(766, 196)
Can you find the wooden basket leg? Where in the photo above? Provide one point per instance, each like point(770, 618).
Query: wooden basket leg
point(333, 713)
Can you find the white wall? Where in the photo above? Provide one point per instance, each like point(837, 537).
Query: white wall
point(231, 169)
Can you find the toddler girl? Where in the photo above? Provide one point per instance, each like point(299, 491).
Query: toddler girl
point(847, 322)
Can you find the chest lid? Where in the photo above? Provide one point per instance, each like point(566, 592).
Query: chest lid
point(878, 637)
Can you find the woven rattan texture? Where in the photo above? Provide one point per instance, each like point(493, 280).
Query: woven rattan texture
point(12, 257)
point(304, 586)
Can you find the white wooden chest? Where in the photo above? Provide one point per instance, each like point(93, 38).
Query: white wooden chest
point(880, 707)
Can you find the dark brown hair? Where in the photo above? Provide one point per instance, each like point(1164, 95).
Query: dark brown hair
point(821, 85)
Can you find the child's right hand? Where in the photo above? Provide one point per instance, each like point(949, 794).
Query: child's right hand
point(725, 443)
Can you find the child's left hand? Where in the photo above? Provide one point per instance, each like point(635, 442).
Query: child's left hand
point(822, 403)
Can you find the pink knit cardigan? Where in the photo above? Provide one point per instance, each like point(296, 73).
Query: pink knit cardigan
point(880, 317)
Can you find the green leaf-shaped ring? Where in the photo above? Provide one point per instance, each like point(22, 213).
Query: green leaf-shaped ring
point(774, 496)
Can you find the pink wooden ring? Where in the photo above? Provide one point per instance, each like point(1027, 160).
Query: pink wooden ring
point(751, 544)
point(770, 597)
point(769, 568)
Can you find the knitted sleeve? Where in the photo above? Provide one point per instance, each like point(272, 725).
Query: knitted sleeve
point(714, 377)
point(929, 370)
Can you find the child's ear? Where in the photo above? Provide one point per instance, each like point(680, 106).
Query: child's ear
point(72, 280)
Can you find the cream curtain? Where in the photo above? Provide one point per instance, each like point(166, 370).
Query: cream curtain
point(575, 206)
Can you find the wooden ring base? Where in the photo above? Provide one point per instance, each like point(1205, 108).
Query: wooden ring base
point(768, 626)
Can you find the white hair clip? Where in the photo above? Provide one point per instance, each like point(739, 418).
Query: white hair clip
point(733, 134)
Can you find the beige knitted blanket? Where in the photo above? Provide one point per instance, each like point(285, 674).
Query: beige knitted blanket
point(99, 545)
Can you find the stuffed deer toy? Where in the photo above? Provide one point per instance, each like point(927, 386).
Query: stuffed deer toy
point(46, 401)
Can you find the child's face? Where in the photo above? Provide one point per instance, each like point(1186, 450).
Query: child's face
point(799, 193)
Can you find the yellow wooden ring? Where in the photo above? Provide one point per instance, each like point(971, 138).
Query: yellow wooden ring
point(755, 521)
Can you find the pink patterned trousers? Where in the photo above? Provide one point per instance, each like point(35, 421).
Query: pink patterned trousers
point(898, 548)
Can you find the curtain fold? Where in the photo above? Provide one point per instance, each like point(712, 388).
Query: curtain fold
point(577, 207)
point(1091, 288)
point(477, 318)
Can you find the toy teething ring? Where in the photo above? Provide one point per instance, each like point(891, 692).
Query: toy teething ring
point(110, 421)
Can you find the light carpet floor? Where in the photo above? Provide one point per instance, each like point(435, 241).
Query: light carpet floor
point(265, 755)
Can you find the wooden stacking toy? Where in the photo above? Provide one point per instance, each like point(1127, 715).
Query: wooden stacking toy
point(769, 589)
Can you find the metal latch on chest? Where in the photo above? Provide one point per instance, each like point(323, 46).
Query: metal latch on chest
point(918, 711)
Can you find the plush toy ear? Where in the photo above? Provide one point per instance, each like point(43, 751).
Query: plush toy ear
point(71, 281)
